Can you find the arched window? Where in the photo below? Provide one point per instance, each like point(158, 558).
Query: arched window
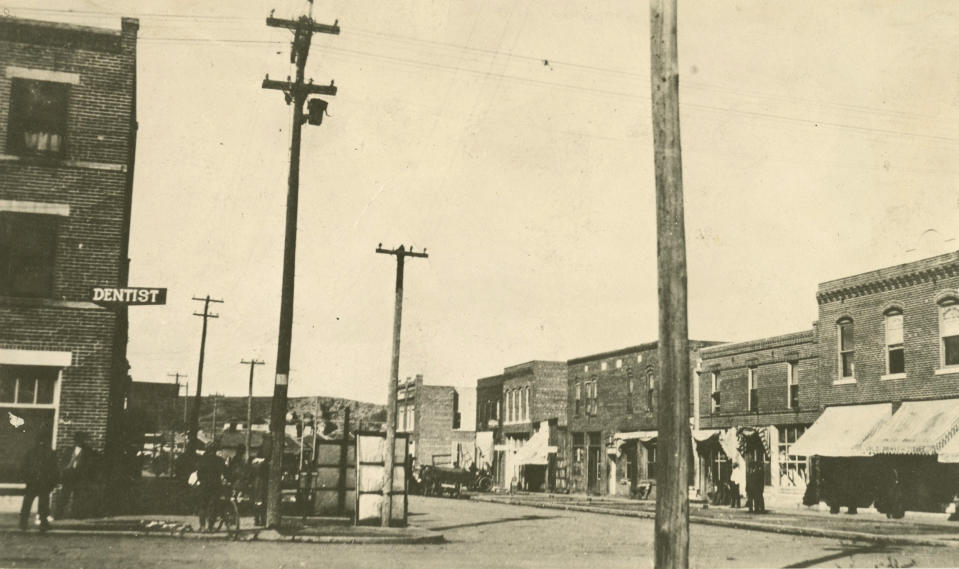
point(949, 331)
point(650, 391)
point(847, 349)
point(895, 349)
point(629, 392)
point(752, 404)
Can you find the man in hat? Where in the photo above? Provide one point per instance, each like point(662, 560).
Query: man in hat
point(39, 472)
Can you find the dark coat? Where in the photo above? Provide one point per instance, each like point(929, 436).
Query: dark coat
point(39, 468)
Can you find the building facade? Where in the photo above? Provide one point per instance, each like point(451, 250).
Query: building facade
point(888, 383)
point(756, 398)
point(67, 143)
point(523, 410)
point(432, 417)
point(612, 407)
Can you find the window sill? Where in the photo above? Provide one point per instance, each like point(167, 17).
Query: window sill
point(889, 376)
point(951, 370)
point(845, 381)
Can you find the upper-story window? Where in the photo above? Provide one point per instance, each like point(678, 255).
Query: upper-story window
point(847, 348)
point(526, 403)
point(949, 331)
point(591, 404)
point(715, 402)
point(603, 366)
point(895, 352)
point(577, 398)
point(752, 386)
point(792, 380)
point(38, 117)
point(650, 391)
point(629, 393)
point(509, 406)
point(619, 363)
point(28, 244)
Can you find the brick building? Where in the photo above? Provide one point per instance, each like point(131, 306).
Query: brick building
point(756, 398)
point(888, 383)
point(612, 419)
point(524, 412)
point(67, 142)
point(432, 416)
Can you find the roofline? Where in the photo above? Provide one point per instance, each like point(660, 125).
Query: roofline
point(779, 341)
point(892, 277)
point(638, 348)
point(69, 27)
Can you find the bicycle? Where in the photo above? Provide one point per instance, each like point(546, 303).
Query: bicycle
point(225, 513)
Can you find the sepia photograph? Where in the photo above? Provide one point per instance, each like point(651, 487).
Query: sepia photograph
point(526, 284)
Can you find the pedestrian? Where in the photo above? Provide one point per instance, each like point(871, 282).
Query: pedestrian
point(735, 497)
point(75, 478)
point(210, 472)
point(259, 476)
point(39, 471)
point(755, 483)
point(893, 502)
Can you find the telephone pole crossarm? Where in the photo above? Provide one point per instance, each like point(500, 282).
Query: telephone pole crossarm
point(315, 27)
point(306, 89)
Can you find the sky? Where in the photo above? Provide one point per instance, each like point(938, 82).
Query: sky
point(513, 141)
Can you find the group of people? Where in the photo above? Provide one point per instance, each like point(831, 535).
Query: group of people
point(729, 491)
point(40, 472)
point(216, 477)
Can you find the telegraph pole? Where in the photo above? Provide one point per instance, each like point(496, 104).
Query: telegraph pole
point(195, 414)
point(295, 93)
point(672, 487)
point(389, 449)
point(178, 375)
point(253, 362)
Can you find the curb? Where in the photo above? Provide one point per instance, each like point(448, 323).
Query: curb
point(741, 524)
point(262, 535)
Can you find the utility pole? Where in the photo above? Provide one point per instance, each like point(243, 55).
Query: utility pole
point(213, 423)
point(253, 362)
point(295, 93)
point(195, 415)
point(389, 450)
point(178, 375)
point(672, 488)
point(186, 399)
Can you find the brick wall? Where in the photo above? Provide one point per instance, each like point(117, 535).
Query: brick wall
point(913, 288)
point(770, 357)
point(92, 178)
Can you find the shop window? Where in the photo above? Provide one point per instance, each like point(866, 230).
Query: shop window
point(38, 117)
point(28, 244)
point(651, 461)
point(847, 349)
point(793, 472)
point(792, 371)
point(895, 351)
point(27, 395)
point(715, 403)
point(753, 403)
point(949, 331)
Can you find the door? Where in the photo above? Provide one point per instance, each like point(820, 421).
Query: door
point(593, 472)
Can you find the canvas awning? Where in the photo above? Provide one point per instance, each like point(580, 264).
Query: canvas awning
point(703, 435)
point(918, 427)
point(950, 451)
point(537, 448)
point(641, 436)
point(841, 430)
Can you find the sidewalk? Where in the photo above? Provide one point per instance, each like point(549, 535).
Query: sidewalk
point(917, 528)
point(310, 530)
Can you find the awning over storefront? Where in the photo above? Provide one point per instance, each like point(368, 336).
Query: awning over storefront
point(537, 448)
point(841, 430)
point(703, 435)
point(642, 436)
point(950, 451)
point(918, 427)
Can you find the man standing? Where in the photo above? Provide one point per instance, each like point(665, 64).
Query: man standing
point(755, 482)
point(210, 471)
point(75, 477)
point(39, 471)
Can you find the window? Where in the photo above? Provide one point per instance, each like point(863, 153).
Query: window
point(651, 460)
point(603, 366)
point(949, 331)
point(28, 244)
point(591, 406)
point(753, 403)
point(629, 393)
point(27, 408)
point(619, 363)
point(411, 418)
point(27, 385)
point(499, 404)
point(650, 391)
point(792, 380)
point(401, 418)
point(577, 398)
point(38, 117)
point(457, 417)
point(792, 468)
point(639, 359)
point(510, 410)
point(526, 401)
point(847, 349)
point(895, 352)
point(715, 402)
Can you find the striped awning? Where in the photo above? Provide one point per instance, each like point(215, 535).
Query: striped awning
point(841, 430)
point(918, 427)
point(950, 452)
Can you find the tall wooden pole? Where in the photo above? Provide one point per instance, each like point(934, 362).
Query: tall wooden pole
point(389, 450)
point(672, 493)
point(249, 407)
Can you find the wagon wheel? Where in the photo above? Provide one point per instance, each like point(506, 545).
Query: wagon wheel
point(484, 484)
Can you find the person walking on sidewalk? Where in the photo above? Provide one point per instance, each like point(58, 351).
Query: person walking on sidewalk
point(755, 481)
point(75, 478)
point(40, 473)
